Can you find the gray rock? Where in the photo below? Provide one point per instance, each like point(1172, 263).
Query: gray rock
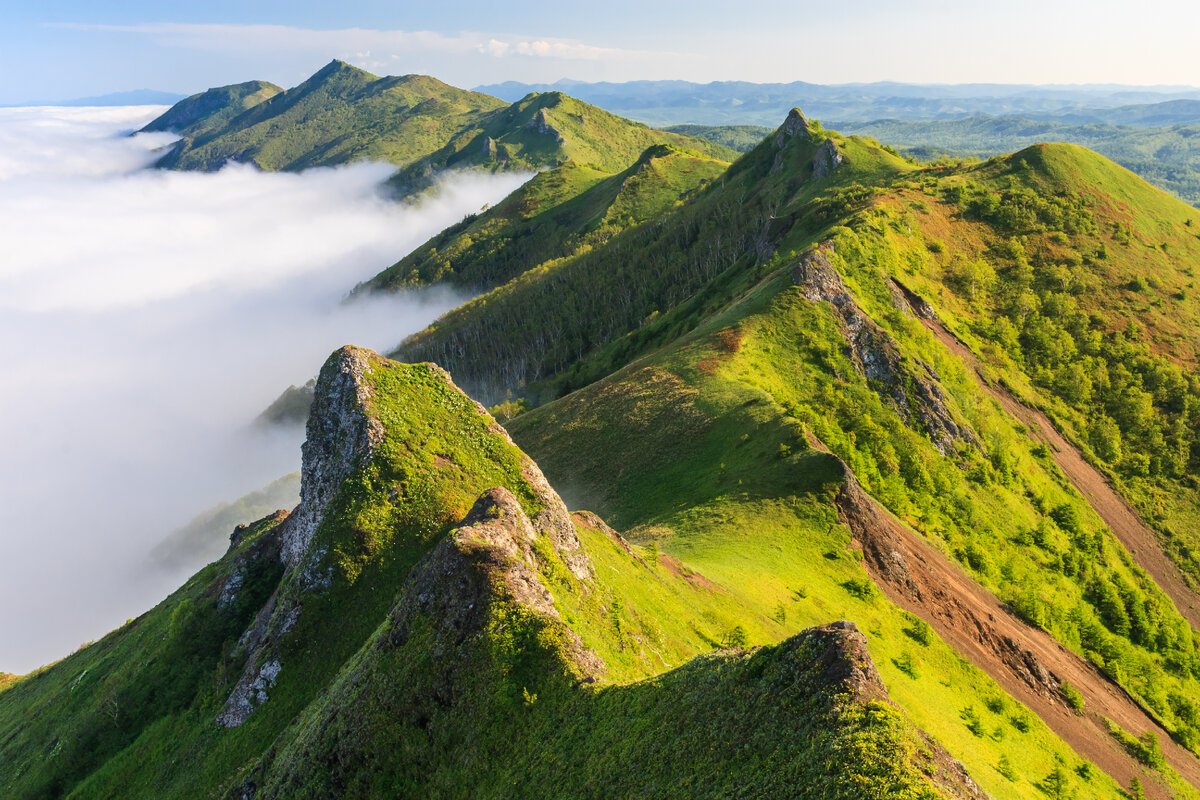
point(914, 393)
point(826, 160)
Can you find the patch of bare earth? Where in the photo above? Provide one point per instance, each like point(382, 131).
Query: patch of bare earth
point(1027, 662)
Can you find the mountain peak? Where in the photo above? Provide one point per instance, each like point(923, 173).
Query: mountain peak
point(340, 436)
point(794, 125)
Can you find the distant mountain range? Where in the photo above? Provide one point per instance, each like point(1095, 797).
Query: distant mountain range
point(740, 102)
point(134, 97)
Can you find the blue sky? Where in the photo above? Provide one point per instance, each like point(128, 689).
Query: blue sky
point(60, 49)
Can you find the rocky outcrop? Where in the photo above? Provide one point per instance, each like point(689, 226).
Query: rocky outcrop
point(912, 391)
point(843, 662)
point(340, 438)
point(488, 558)
point(496, 537)
point(540, 122)
point(837, 654)
point(793, 126)
point(249, 695)
point(826, 160)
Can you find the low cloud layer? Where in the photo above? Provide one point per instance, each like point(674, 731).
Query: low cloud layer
point(147, 317)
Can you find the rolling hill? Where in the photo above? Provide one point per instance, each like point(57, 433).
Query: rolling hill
point(343, 114)
point(340, 114)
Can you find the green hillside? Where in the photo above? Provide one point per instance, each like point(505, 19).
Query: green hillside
point(1167, 156)
point(899, 462)
point(742, 138)
point(340, 114)
point(921, 431)
point(546, 130)
point(343, 114)
point(493, 642)
point(557, 213)
point(210, 111)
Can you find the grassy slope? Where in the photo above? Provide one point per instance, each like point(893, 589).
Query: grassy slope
point(1097, 326)
point(338, 115)
point(966, 504)
point(545, 130)
point(210, 111)
point(132, 715)
point(647, 284)
point(702, 454)
point(558, 213)
point(1166, 156)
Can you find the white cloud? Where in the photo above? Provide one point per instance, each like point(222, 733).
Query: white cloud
point(149, 316)
point(357, 43)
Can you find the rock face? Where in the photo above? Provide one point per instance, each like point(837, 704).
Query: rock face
point(826, 160)
point(490, 550)
point(913, 392)
point(488, 558)
point(793, 126)
point(541, 123)
point(340, 437)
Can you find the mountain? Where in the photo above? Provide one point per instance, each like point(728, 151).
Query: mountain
point(1002, 355)
point(343, 114)
point(430, 620)
point(338, 115)
point(210, 111)
point(741, 138)
point(545, 130)
point(1168, 156)
point(1139, 127)
point(559, 212)
point(891, 471)
point(597, 175)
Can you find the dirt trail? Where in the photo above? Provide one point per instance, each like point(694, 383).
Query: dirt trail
point(1139, 540)
point(1027, 662)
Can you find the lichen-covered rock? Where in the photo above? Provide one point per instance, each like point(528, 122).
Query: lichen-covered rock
point(249, 695)
point(488, 558)
point(794, 125)
point(826, 160)
point(913, 392)
point(340, 438)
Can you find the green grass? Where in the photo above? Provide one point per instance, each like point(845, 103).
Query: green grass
point(558, 213)
point(340, 114)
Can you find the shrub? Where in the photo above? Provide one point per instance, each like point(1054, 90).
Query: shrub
point(862, 588)
point(1072, 697)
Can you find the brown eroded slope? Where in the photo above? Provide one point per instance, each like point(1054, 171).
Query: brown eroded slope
point(1027, 662)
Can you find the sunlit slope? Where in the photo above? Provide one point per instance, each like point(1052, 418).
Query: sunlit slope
point(542, 131)
point(558, 213)
point(431, 621)
point(211, 110)
point(651, 282)
point(792, 236)
point(340, 114)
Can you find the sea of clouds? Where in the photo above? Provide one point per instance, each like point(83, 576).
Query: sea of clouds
point(146, 318)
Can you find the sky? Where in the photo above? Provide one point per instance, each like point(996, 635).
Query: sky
point(64, 49)
point(147, 317)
